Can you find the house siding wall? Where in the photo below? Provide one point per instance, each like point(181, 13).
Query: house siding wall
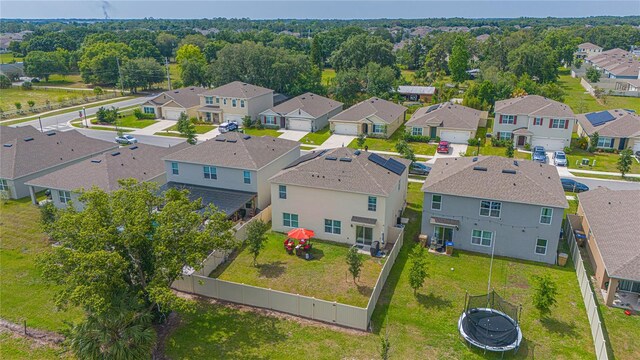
point(510, 240)
point(264, 187)
point(543, 130)
point(252, 107)
point(595, 258)
point(259, 104)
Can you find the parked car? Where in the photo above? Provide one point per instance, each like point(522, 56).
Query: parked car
point(228, 126)
point(638, 155)
point(126, 139)
point(539, 154)
point(443, 147)
point(573, 186)
point(559, 158)
point(419, 169)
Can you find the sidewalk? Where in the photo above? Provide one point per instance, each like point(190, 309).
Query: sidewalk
point(72, 108)
point(152, 129)
point(602, 173)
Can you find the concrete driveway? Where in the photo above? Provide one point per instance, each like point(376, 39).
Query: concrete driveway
point(294, 135)
point(454, 151)
point(336, 141)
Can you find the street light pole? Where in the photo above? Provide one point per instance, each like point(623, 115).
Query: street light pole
point(478, 153)
point(40, 121)
point(84, 112)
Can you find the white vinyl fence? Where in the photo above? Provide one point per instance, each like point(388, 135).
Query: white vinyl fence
point(588, 296)
point(294, 304)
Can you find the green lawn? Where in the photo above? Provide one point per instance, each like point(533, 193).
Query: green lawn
point(316, 138)
point(390, 144)
point(327, 76)
point(71, 80)
point(409, 75)
point(14, 347)
point(39, 95)
point(488, 150)
point(200, 128)
point(604, 161)
point(325, 277)
point(418, 327)
point(6, 58)
point(261, 132)
point(131, 121)
point(581, 101)
point(24, 293)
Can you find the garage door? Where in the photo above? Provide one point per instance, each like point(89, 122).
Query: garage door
point(456, 137)
point(548, 144)
point(233, 117)
point(172, 114)
point(300, 124)
point(636, 146)
point(346, 129)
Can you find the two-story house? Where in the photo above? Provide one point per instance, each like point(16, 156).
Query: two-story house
point(306, 112)
point(534, 120)
point(374, 117)
point(493, 204)
point(234, 101)
point(587, 49)
point(229, 167)
point(343, 195)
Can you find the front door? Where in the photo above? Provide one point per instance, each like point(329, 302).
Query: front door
point(521, 140)
point(365, 128)
point(433, 131)
point(207, 116)
point(364, 235)
point(442, 234)
point(283, 122)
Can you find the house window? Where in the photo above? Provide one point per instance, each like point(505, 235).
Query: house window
point(541, 247)
point(224, 101)
point(436, 202)
point(64, 196)
point(504, 135)
point(332, 226)
point(377, 128)
point(174, 168)
point(3, 185)
point(416, 131)
point(558, 123)
point(241, 103)
point(290, 220)
point(234, 102)
point(208, 100)
point(210, 172)
point(605, 142)
point(482, 238)
point(545, 215)
point(247, 176)
point(217, 100)
point(148, 110)
point(508, 119)
point(282, 190)
point(270, 120)
point(537, 121)
point(372, 203)
point(490, 208)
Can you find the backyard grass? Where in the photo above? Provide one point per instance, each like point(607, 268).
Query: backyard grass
point(24, 293)
point(390, 144)
point(316, 138)
point(39, 95)
point(409, 75)
point(418, 327)
point(327, 76)
point(200, 128)
point(581, 101)
point(604, 161)
point(14, 347)
point(325, 277)
point(7, 58)
point(261, 132)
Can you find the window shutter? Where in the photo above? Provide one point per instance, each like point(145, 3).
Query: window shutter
point(500, 122)
point(515, 119)
point(566, 124)
point(612, 140)
point(264, 119)
point(550, 123)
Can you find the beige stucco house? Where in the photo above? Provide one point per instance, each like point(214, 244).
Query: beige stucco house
point(587, 49)
point(534, 120)
point(306, 112)
point(342, 194)
point(617, 129)
point(374, 117)
point(450, 122)
point(234, 101)
point(171, 104)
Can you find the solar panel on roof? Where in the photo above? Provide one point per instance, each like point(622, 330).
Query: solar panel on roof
point(375, 158)
point(432, 107)
point(307, 157)
point(395, 166)
point(599, 118)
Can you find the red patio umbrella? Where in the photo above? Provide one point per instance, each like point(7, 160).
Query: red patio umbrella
point(301, 233)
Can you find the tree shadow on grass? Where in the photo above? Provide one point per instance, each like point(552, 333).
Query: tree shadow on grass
point(365, 290)
point(433, 301)
point(317, 254)
point(559, 327)
point(272, 270)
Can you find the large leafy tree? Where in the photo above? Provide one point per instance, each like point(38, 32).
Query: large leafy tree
point(141, 73)
point(42, 64)
point(192, 65)
point(360, 50)
point(145, 49)
point(187, 129)
point(347, 86)
point(436, 60)
point(537, 60)
point(379, 80)
point(166, 44)
point(459, 60)
point(99, 62)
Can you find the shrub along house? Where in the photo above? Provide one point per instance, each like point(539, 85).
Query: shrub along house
point(617, 129)
point(342, 194)
point(28, 154)
point(534, 120)
point(485, 204)
point(234, 101)
point(232, 170)
point(374, 117)
point(171, 104)
point(450, 122)
point(306, 112)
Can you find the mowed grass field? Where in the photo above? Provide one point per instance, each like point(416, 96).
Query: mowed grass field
point(418, 327)
point(8, 97)
point(580, 101)
point(13, 347)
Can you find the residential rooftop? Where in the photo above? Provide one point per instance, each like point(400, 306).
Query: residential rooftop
point(310, 103)
point(497, 178)
point(446, 115)
point(588, 45)
point(611, 123)
point(387, 111)
point(533, 105)
point(238, 89)
point(614, 220)
point(417, 90)
point(186, 97)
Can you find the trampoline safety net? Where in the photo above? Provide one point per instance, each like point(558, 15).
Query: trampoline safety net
point(492, 301)
point(486, 324)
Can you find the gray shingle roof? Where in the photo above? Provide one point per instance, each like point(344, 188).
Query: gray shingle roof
point(588, 45)
point(418, 90)
point(614, 220)
point(312, 104)
point(447, 115)
point(141, 162)
point(533, 183)
point(360, 175)
point(243, 152)
point(238, 89)
point(385, 110)
point(533, 105)
point(185, 97)
point(20, 157)
point(626, 124)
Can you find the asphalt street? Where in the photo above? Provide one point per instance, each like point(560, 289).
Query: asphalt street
point(145, 139)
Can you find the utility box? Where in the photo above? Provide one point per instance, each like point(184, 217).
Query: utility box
point(449, 247)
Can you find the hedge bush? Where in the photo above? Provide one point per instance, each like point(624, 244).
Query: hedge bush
point(140, 115)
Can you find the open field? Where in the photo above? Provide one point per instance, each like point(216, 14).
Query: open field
point(324, 277)
point(390, 144)
point(71, 80)
point(40, 96)
point(418, 327)
point(14, 347)
point(316, 138)
point(581, 101)
point(6, 58)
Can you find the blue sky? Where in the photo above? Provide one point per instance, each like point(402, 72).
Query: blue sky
point(264, 9)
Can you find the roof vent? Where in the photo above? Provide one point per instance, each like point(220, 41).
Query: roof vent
point(474, 159)
point(115, 153)
point(345, 159)
point(133, 147)
point(479, 168)
point(246, 137)
point(8, 145)
point(221, 139)
point(515, 162)
point(508, 171)
point(356, 153)
point(96, 161)
point(333, 158)
point(232, 141)
point(51, 133)
point(28, 139)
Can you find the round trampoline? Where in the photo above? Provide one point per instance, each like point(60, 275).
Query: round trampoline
point(492, 326)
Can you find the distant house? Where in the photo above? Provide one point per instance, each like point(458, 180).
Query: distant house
point(306, 112)
point(374, 116)
point(616, 64)
point(28, 154)
point(141, 162)
point(171, 104)
point(617, 129)
point(417, 93)
point(449, 122)
point(632, 85)
point(611, 221)
point(342, 194)
point(534, 120)
point(587, 49)
point(234, 101)
point(12, 71)
point(230, 166)
point(492, 204)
